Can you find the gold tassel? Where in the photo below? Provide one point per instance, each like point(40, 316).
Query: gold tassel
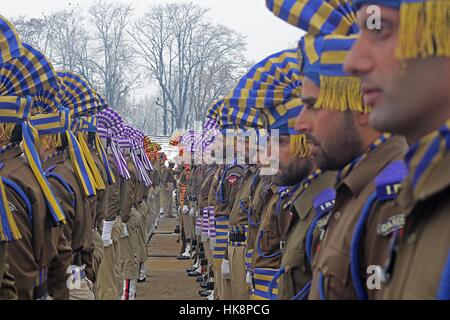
point(424, 30)
point(299, 146)
point(6, 130)
point(51, 141)
point(100, 184)
point(341, 94)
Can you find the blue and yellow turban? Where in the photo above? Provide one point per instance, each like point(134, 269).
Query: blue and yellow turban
point(268, 97)
point(323, 64)
point(424, 26)
point(20, 79)
point(317, 17)
point(10, 44)
point(76, 94)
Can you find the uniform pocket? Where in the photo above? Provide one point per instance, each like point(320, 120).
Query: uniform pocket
point(334, 266)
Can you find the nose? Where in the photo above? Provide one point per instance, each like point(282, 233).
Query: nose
point(303, 121)
point(357, 61)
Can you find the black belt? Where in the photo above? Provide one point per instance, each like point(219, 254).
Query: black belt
point(40, 292)
point(237, 237)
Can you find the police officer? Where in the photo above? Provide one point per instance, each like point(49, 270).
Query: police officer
point(23, 179)
point(357, 166)
point(11, 49)
point(406, 84)
point(167, 183)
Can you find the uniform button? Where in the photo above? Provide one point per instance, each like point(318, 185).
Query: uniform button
point(325, 270)
point(411, 238)
point(337, 215)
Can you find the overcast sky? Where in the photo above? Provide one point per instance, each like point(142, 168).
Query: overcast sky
point(265, 33)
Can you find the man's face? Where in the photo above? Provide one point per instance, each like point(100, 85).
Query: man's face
point(405, 96)
point(332, 135)
point(292, 170)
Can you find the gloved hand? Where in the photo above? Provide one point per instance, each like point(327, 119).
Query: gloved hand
point(192, 212)
point(185, 209)
point(225, 269)
point(249, 278)
point(125, 231)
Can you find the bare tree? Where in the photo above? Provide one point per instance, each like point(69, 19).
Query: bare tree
point(185, 55)
point(112, 55)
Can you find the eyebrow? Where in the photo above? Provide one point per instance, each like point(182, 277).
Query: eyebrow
point(309, 100)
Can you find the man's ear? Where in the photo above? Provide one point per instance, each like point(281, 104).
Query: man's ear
point(362, 118)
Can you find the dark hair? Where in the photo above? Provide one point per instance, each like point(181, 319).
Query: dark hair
point(16, 135)
point(64, 143)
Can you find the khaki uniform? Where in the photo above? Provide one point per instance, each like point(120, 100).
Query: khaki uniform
point(259, 201)
point(7, 286)
point(76, 207)
point(182, 200)
point(101, 212)
point(31, 255)
point(156, 179)
point(238, 235)
point(227, 190)
point(167, 183)
point(293, 231)
point(129, 245)
point(204, 205)
point(332, 262)
point(423, 244)
point(266, 250)
point(106, 286)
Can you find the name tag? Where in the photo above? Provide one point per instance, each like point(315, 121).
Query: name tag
point(392, 224)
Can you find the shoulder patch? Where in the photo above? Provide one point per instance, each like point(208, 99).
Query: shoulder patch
point(233, 178)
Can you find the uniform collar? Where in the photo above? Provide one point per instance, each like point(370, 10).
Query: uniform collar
point(369, 167)
point(434, 175)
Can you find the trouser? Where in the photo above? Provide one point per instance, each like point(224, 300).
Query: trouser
point(239, 287)
point(106, 285)
point(208, 252)
point(143, 209)
point(187, 225)
point(182, 235)
point(129, 248)
point(157, 199)
point(83, 291)
point(117, 237)
point(97, 255)
point(150, 221)
point(222, 287)
point(166, 201)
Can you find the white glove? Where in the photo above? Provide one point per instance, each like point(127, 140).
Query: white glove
point(225, 269)
point(191, 212)
point(185, 209)
point(106, 231)
point(125, 231)
point(248, 278)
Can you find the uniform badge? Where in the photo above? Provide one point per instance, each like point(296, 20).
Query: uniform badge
point(392, 224)
point(232, 179)
point(12, 207)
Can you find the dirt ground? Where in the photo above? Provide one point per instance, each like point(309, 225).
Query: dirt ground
point(166, 276)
